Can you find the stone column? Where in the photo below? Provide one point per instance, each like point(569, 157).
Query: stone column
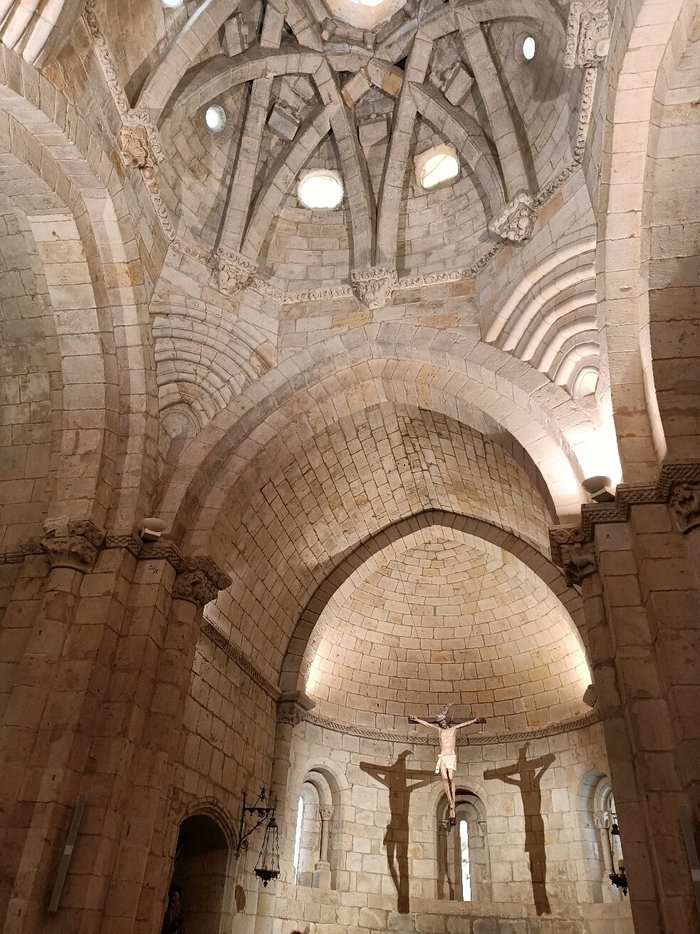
point(322, 869)
point(143, 861)
point(49, 716)
point(637, 719)
point(292, 708)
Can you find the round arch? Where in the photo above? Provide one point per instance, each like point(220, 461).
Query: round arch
point(117, 470)
point(305, 638)
point(444, 372)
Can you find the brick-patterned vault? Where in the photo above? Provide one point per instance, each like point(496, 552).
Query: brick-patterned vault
point(439, 617)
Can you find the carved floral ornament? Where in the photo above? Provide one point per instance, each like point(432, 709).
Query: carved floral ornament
point(574, 553)
point(685, 502)
point(72, 543)
point(587, 33)
point(199, 581)
point(293, 707)
point(235, 271)
point(374, 285)
point(517, 220)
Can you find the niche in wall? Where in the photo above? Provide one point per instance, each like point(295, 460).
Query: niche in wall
point(201, 863)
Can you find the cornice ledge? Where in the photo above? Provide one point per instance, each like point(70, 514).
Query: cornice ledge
point(241, 659)
point(678, 485)
point(475, 739)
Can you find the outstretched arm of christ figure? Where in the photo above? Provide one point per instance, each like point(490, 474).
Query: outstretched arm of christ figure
point(433, 726)
point(458, 726)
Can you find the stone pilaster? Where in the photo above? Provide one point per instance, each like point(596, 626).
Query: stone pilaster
point(292, 708)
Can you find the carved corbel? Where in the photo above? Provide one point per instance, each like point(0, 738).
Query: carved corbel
point(139, 142)
point(517, 220)
point(72, 543)
point(293, 706)
point(587, 33)
point(199, 581)
point(574, 553)
point(685, 502)
point(374, 285)
point(235, 271)
point(135, 148)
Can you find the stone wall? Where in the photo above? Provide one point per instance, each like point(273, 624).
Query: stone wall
point(385, 867)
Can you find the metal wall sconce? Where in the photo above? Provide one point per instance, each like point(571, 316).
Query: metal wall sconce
point(619, 879)
point(267, 867)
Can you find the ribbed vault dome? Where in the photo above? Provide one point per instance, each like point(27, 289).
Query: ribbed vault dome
point(443, 617)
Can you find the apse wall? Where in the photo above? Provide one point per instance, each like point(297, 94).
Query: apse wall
point(542, 867)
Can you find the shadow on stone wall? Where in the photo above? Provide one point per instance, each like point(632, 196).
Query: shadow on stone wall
point(530, 772)
point(400, 781)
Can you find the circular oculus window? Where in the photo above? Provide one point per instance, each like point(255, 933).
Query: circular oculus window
point(215, 118)
point(321, 190)
point(438, 168)
point(529, 48)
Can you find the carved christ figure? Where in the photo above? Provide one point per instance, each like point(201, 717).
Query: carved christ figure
point(447, 760)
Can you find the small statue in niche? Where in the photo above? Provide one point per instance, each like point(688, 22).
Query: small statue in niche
point(446, 764)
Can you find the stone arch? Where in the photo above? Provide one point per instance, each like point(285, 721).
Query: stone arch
point(447, 374)
point(201, 870)
point(116, 476)
point(305, 638)
point(644, 49)
point(670, 242)
point(470, 807)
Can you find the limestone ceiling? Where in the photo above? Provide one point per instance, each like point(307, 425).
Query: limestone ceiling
point(303, 88)
point(439, 617)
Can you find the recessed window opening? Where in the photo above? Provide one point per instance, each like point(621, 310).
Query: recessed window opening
point(370, 3)
point(172, 4)
point(436, 166)
point(297, 837)
point(464, 850)
point(529, 48)
point(321, 189)
point(215, 118)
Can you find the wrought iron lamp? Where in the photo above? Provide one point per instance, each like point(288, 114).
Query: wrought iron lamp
point(619, 879)
point(267, 867)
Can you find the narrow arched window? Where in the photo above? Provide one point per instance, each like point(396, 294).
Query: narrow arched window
point(297, 836)
point(462, 850)
point(464, 860)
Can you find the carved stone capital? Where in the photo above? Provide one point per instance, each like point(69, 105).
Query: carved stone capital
point(72, 543)
point(374, 285)
point(517, 220)
point(685, 502)
point(235, 271)
point(293, 706)
point(325, 812)
point(199, 581)
point(574, 553)
point(590, 696)
point(587, 33)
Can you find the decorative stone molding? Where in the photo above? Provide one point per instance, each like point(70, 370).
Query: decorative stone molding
point(678, 486)
point(573, 552)
point(474, 739)
point(585, 111)
point(517, 220)
point(72, 543)
point(293, 707)
point(685, 502)
point(235, 271)
point(239, 658)
point(374, 285)
point(587, 33)
point(199, 581)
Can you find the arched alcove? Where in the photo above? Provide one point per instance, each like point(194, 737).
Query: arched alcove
point(200, 871)
point(464, 870)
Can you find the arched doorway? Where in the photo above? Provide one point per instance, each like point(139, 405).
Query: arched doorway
point(201, 862)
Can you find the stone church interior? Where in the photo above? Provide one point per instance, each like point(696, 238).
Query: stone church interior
point(350, 410)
